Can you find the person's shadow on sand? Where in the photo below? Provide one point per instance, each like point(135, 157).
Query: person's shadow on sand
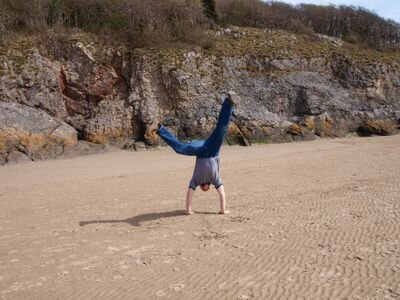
point(135, 221)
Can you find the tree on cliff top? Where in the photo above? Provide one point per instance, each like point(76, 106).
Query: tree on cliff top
point(210, 9)
point(161, 22)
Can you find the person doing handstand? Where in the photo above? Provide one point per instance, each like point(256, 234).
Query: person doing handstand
point(206, 171)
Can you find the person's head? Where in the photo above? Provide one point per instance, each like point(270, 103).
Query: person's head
point(205, 187)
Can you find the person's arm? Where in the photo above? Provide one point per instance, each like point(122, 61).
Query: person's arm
point(189, 198)
point(222, 200)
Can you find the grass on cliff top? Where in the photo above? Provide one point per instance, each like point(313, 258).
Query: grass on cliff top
point(274, 44)
point(16, 51)
point(19, 43)
point(281, 44)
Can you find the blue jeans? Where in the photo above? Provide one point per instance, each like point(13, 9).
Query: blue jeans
point(202, 148)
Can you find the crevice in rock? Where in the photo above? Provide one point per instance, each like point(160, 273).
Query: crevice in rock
point(124, 74)
point(301, 107)
point(62, 80)
point(53, 129)
point(62, 150)
point(139, 129)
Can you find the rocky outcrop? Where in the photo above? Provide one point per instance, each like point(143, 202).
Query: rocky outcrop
point(82, 96)
point(377, 127)
point(31, 134)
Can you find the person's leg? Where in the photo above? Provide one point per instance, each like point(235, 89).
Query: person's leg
point(213, 144)
point(191, 148)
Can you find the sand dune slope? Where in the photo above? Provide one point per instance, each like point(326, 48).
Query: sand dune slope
point(312, 220)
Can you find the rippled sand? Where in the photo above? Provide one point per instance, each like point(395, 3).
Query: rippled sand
point(310, 220)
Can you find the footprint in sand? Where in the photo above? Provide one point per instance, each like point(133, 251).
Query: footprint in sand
point(177, 287)
point(161, 293)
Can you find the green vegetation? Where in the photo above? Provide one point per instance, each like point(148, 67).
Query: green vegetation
point(136, 22)
point(354, 25)
point(155, 23)
point(279, 44)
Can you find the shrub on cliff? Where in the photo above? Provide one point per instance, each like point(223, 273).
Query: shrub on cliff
point(210, 9)
point(156, 22)
point(142, 23)
point(353, 24)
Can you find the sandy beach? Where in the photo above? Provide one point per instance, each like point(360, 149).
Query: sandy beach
point(310, 220)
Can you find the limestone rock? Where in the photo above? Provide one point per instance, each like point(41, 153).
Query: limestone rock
point(32, 132)
point(81, 97)
point(112, 124)
point(140, 146)
point(336, 42)
point(378, 127)
point(32, 79)
point(15, 157)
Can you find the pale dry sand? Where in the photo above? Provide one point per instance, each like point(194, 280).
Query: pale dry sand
point(310, 220)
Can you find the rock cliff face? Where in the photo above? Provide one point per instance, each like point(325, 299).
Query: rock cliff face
point(70, 97)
